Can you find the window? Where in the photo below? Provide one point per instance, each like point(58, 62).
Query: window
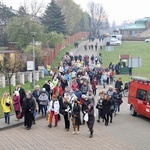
point(149, 97)
point(141, 94)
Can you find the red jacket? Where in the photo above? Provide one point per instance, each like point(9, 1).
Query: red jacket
point(94, 83)
point(58, 89)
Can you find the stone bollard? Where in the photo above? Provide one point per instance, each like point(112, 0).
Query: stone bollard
point(2, 80)
point(13, 80)
point(37, 75)
point(22, 78)
point(29, 77)
point(41, 74)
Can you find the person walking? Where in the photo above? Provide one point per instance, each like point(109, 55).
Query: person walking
point(91, 119)
point(84, 103)
point(36, 93)
point(66, 111)
point(43, 100)
point(76, 119)
point(117, 98)
point(16, 103)
point(6, 102)
point(106, 110)
point(94, 84)
point(53, 110)
point(28, 110)
point(118, 85)
point(90, 97)
point(99, 105)
point(22, 93)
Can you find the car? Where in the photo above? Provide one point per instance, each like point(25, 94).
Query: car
point(115, 41)
point(147, 40)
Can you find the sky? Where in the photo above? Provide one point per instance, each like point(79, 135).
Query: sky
point(117, 10)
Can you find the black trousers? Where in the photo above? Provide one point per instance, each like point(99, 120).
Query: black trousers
point(67, 121)
point(28, 118)
point(106, 117)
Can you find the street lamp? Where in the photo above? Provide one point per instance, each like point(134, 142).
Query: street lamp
point(33, 35)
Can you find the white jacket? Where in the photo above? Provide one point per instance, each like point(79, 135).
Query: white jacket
point(56, 107)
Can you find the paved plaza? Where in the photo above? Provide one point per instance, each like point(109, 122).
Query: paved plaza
point(125, 133)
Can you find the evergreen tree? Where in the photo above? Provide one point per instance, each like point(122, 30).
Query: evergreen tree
point(53, 18)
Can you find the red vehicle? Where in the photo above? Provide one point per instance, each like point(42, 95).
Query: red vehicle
point(139, 96)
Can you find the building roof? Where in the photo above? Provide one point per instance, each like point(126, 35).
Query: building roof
point(135, 26)
point(143, 19)
point(139, 24)
point(124, 56)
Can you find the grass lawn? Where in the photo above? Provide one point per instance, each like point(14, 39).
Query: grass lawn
point(135, 49)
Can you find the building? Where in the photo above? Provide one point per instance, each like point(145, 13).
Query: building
point(141, 29)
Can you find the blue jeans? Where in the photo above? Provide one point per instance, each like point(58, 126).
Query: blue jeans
point(7, 117)
point(43, 107)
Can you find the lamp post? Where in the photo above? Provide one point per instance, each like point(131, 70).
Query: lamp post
point(33, 35)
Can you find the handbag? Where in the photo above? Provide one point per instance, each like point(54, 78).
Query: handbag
point(7, 104)
point(112, 108)
point(121, 101)
point(86, 117)
point(20, 115)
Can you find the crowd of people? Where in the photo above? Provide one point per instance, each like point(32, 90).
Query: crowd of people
point(70, 93)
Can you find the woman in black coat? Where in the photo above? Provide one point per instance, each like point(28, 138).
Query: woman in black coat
point(66, 111)
point(106, 109)
point(91, 119)
point(76, 120)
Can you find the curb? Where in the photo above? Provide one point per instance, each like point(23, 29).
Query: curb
point(17, 124)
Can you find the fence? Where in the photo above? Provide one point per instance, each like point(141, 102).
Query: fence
point(52, 53)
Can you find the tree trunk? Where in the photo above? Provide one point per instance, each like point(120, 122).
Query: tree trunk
point(9, 85)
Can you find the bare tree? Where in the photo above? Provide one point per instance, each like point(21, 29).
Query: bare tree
point(98, 16)
point(37, 7)
point(10, 65)
point(34, 7)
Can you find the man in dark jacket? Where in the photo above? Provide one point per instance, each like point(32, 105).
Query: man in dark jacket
point(28, 110)
point(118, 84)
point(36, 93)
point(85, 104)
point(21, 93)
point(78, 94)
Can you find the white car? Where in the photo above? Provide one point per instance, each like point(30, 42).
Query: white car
point(147, 40)
point(115, 41)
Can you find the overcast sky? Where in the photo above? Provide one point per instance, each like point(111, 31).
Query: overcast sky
point(117, 10)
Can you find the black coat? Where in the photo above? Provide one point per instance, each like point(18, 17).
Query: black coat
point(106, 106)
point(36, 95)
point(65, 106)
point(76, 115)
point(85, 105)
point(22, 95)
point(29, 104)
point(47, 87)
point(91, 118)
point(118, 84)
